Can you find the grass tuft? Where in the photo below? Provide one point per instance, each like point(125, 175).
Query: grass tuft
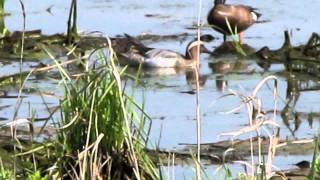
point(99, 128)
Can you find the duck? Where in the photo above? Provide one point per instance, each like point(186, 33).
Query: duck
point(240, 17)
point(138, 54)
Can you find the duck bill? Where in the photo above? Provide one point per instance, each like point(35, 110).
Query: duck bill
point(205, 50)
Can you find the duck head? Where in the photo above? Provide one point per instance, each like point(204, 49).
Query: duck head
point(192, 49)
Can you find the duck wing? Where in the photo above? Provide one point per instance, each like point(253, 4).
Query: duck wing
point(137, 45)
point(132, 51)
point(131, 58)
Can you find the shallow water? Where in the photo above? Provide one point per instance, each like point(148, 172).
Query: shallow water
point(172, 111)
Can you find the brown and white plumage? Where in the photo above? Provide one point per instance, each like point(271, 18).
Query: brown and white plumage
point(240, 17)
point(139, 54)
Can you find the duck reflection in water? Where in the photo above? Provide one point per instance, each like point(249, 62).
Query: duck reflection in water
point(292, 119)
point(230, 48)
point(288, 113)
point(223, 67)
point(191, 77)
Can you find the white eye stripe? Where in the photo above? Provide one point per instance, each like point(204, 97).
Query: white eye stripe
point(195, 43)
point(254, 16)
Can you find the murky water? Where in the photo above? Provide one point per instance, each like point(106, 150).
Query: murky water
point(172, 111)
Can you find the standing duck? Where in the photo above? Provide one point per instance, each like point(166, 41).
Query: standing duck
point(138, 54)
point(240, 17)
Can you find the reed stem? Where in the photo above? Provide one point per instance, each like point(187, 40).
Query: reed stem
point(198, 118)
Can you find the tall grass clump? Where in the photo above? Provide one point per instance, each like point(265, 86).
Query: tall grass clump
point(2, 7)
point(4, 173)
point(315, 165)
point(101, 131)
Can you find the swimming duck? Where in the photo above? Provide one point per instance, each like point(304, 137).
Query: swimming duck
point(139, 54)
point(240, 17)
